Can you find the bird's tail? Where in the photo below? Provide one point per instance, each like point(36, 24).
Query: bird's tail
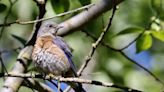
point(77, 87)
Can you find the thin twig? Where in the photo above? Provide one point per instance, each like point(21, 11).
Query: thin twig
point(72, 79)
point(43, 19)
point(7, 15)
point(1, 60)
point(94, 45)
point(39, 86)
point(6, 51)
point(27, 83)
point(2, 30)
point(42, 10)
point(132, 41)
point(145, 69)
point(131, 60)
point(3, 65)
point(57, 86)
point(19, 67)
point(22, 59)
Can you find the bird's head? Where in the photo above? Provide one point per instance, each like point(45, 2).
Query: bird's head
point(48, 28)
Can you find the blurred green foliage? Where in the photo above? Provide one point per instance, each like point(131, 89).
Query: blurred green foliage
point(2, 7)
point(144, 42)
point(131, 19)
point(60, 6)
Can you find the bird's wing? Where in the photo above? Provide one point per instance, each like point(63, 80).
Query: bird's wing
point(64, 46)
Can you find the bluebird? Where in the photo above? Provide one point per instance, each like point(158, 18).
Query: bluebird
point(52, 55)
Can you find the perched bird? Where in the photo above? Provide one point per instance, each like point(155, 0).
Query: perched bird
point(52, 55)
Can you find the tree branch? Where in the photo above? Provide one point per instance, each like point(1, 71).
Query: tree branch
point(12, 84)
point(128, 58)
point(33, 84)
point(48, 18)
point(71, 24)
point(85, 16)
point(94, 45)
point(7, 15)
point(72, 79)
point(41, 5)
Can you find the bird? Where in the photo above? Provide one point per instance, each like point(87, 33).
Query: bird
point(52, 55)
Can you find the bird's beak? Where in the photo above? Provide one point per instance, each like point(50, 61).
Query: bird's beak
point(56, 29)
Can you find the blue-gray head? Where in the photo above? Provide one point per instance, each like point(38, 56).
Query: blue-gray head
point(48, 28)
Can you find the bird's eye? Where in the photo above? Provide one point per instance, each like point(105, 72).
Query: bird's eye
point(50, 25)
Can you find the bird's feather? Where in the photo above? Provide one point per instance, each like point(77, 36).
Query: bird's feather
point(64, 46)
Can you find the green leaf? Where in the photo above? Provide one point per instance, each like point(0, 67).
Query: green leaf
point(2, 7)
point(131, 30)
point(158, 34)
point(21, 40)
point(85, 2)
point(144, 42)
point(155, 26)
point(60, 6)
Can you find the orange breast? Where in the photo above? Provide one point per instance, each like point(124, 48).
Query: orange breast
point(46, 45)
